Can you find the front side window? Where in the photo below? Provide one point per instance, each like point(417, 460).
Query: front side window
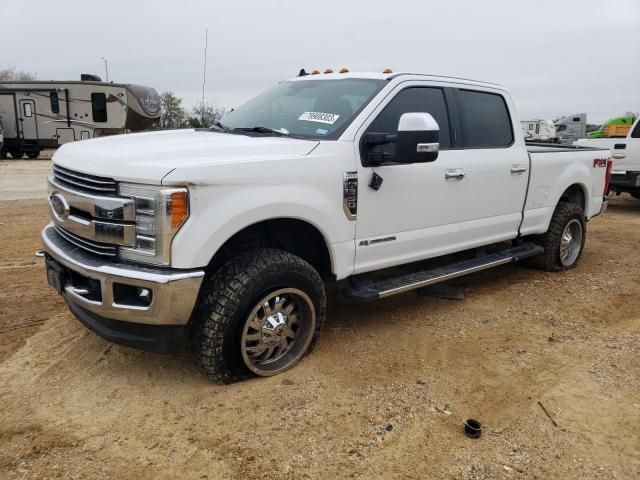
point(562, 128)
point(636, 131)
point(415, 99)
point(319, 109)
point(485, 120)
point(99, 107)
point(27, 110)
point(55, 103)
point(537, 128)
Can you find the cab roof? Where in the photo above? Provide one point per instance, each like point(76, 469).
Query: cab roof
point(391, 76)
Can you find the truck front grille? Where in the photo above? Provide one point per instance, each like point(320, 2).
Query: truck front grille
point(97, 248)
point(84, 182)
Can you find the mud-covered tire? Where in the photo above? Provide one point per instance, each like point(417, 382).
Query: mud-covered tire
point(567, 215)
point(227, 303)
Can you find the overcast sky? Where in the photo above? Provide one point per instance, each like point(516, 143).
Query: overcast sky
point(556, 57)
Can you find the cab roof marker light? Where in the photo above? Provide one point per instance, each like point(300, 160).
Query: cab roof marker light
point(315, 72)
point(387, 70)
point(344, 70)
point(328, 70)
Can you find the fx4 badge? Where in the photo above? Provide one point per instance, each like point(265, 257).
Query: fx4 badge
point(600, 163)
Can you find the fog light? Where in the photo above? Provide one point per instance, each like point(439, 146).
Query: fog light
point(132, 296)
point(144, 294)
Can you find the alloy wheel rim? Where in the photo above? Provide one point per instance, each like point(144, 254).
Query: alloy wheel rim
point(278, 331)
point(570, 242)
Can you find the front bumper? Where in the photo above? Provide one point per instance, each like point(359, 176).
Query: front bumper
point(101, 293)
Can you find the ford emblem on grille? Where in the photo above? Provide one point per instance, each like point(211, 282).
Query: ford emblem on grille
point(59, 205)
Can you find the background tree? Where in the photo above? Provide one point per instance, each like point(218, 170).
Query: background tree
point(204, 115)
point(10, 74)
point(172, 114)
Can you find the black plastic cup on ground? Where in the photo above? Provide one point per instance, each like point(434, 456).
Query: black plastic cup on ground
point(472, 428)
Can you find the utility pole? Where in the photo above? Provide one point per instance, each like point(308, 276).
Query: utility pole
point(204, 74)
point(106, 68)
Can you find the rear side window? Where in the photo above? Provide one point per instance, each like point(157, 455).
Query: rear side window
point(636, 131)
point(99, 107)
point(55, 103)
point(415, 99)
point(485, 120)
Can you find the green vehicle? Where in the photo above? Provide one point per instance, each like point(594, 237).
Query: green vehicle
point(616, 127)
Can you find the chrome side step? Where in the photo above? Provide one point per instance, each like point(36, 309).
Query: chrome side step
point(367, 292)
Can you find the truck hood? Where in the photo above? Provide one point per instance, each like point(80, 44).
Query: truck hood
point(148, 157)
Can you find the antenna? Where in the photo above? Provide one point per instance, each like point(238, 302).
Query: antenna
point(204, 74)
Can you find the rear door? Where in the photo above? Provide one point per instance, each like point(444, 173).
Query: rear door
point(496, 166)
point(626, 151)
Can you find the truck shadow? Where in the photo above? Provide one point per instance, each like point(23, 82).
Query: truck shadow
point(624, 203)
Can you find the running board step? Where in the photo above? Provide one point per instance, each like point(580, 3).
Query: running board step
point(367, 292)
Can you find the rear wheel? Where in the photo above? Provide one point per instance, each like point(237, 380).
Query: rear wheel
point(636, 195)
point(33, 154)
point(15, 154)
point(564, 241)
point(259, 314)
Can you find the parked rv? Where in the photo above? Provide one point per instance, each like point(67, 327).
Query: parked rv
point(538, 130)
point(47, 114)
point(571, 128)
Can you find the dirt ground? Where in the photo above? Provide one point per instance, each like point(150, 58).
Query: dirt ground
point(383, 395)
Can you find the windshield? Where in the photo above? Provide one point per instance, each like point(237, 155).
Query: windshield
point(306, 109)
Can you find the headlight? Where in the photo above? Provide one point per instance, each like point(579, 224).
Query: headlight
point(160, 212)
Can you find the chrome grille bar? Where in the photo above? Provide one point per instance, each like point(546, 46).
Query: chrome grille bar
point(88, 245)
point(85, 182)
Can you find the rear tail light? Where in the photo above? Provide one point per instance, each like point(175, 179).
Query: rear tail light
point(607, 176)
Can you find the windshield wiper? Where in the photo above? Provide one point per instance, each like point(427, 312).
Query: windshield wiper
point(260, 129)
point(220, 126)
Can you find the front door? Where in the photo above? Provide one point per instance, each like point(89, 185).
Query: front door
point(27, 116)
point(415, 212)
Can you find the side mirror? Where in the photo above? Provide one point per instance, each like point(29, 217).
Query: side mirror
point(418, 138)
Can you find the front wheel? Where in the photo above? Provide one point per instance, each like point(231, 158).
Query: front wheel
point(564, 240)
point(259, 314)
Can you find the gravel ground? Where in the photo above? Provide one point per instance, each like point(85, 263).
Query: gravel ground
point(383, 395)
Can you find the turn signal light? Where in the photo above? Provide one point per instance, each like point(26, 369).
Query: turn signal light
point(179, 208)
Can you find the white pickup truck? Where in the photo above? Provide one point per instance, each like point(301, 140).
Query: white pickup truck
point(625, 173)
point(222, 240)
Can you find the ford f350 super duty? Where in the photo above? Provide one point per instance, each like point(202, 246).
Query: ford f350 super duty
point(222, 239)
point(625, 173)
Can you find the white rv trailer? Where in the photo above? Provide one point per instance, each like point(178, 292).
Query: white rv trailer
point(538, 130)
point(571, 128)
point(47, 114)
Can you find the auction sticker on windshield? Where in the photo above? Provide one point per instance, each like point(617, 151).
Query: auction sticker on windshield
point(329, 118)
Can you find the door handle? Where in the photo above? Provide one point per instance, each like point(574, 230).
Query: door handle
point(517, 169)
point(454, 174)
point(618, 156)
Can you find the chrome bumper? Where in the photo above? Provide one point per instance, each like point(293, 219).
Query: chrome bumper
point(173, 292)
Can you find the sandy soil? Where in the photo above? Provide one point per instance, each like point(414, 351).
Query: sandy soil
point(383, 395)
